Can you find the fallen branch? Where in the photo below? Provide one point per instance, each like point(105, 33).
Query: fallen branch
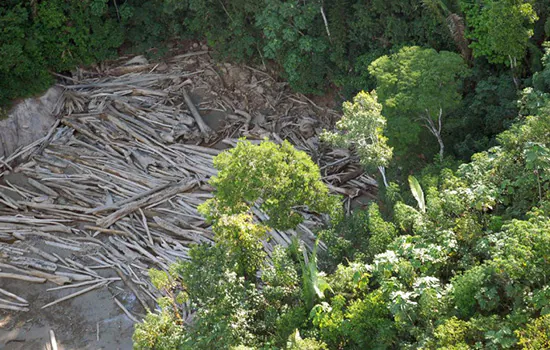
point(11, 295)
point(22, 277)
point(130, 316)
point(131, 207)
point(80, 292)
point(205, 129)
point(53, 340)
point(85, 283)
point(13, 308)
point(9, 302)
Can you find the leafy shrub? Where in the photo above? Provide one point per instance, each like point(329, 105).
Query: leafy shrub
point(346, 241)
point(451, 334)
point(295, 342)
point(159, 331)
point(358, 237)
point(536, 335)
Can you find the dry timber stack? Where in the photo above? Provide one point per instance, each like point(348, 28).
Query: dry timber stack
point(115, 184)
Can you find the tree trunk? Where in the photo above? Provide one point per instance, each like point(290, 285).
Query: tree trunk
point(455, 24)
point(441, 146)
point(435, 130)
point(382, 170)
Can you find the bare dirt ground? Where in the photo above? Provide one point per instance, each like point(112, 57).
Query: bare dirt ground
point(234, 101)
point(91, 321)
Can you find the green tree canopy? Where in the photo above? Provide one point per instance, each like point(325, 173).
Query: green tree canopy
point(278, 178)
point(362, 127)
point(417, 87)
point(499, 29)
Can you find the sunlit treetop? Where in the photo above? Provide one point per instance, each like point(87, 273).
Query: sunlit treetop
point(277, 178)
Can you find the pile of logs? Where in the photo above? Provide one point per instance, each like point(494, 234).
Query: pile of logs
point(116, 182)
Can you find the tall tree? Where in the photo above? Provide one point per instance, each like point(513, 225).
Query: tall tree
point(418, 85)
point(277, 178)
point(362, 127)
point(448, 11)
point(499, 29)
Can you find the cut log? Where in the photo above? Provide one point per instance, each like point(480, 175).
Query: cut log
point(117, 205)
point(80, 292)
point(179, 232)
point(52, 278)
point(205, 129)
point(11, 295)
point(22, 277)
point(34, 263)
point(157, 197)
point(13, 308)
point(53, 340)
point(74, 276)
point(42, 188)
point(42, 253)
point(63, 246)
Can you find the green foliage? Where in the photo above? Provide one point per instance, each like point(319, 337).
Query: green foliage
point(227, 303)
point(487, 111)
point(294, 38)
point(452, 334)
point(380, 27)
point(363, 324)
point(517, 168)
point(52, 35)
point(417, 87)
point(346, 240)
point(227, 25)
point(21, 60)
point(313, 284)
point(90, 33)
point(242, 240)
point(233, 307)
point(276, 177)
point(382, 233)
point(474, 290)
point(284, 312)
point(160, 279)
point(295, 342)
point(541, 80)
point(148, 24)
point(467, 269)
point(499, 29)
point(459, 261)
point(417, 192)
point(362, 127)
point(358, 237)
point(536, 335)
point(418, 79)
point(159, 331)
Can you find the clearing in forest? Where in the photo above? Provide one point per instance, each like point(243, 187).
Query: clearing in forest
point(112, 190)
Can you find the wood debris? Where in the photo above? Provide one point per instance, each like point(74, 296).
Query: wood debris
point(117, 182)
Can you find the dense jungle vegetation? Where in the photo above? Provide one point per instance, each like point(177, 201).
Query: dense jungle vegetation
point(448, 99)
